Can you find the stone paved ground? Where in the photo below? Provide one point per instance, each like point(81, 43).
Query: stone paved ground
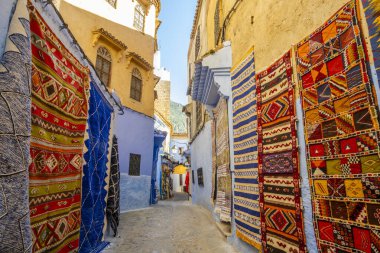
point(172, 226)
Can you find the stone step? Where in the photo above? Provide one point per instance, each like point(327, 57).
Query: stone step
point(224, 228)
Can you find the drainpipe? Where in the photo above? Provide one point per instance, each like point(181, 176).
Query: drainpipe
point(228, 18)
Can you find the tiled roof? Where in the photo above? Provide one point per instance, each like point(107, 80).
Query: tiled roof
point(196, 16)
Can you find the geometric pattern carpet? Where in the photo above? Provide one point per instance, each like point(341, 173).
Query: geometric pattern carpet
point(342, 134)
point(15, 62)
point(59, 115)
point(95, 173)
point(280, 193)
point(113, 200)
point(246, 188)
point(372, 14)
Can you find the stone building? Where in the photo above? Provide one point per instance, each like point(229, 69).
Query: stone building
point(223, 33)
point(120, 39)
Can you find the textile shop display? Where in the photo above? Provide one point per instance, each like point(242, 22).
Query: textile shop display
point(342, 135)
point(113, 201)
point(59, 114)
point(95, 173)
point(213, 168)
point(15, 62)
point(372, 14)
point(280, 194)
point(166, 181)
point(246, 190)
point(223, 173)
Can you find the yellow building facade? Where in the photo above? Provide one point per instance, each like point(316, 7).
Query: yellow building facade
point(119, 38)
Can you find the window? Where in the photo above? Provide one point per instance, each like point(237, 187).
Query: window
point(197, 43)
point(136, 85)
point(217, 22)
point(139, 18)
point(112, 3)
point(198, 114)
point(103, 65)
point(134, 164)
point(192, 177)
point(200, 176)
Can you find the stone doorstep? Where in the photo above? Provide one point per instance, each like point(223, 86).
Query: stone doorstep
point(224, 228)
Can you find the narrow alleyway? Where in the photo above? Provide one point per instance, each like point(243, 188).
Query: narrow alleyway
point(172, 226)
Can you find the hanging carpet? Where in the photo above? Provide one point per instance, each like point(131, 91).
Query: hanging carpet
point(372, 15)
point(15, 62)
point(113, 201)
point(342, 134)
point(59, 114)
point(246, 189)
point(95, 173)
point(222, 156)
point(280, 198)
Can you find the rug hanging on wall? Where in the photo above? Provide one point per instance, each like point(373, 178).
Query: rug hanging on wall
point(222, 156)
point(342, 135)
point(213, 172)
point(280, 194)
point(95, 177)
point(246, 189)
point(59, 114)
point(15, 235)
point(113, 201)
point(372, 14)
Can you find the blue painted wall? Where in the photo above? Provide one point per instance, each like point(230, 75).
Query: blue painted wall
point(135, 133)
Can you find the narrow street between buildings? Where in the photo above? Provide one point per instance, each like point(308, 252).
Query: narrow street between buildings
point(172, 226)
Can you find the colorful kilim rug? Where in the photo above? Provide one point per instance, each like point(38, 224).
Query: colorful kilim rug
point(342, 135)
point(95, 173)
point(223, 173)
point(246, 189)
point(15, 62)
point(372, 13)
point(59, 114)
point(280, 194)
point(113, 200)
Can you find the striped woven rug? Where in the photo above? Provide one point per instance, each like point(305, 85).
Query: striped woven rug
point(246, 192)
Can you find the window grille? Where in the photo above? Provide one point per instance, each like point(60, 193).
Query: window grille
point(217, 22)
point(200, 176)
point(197, 43)
point(136, 85)
point(139, 20)
point(134, 164)
point(198, 114)
point(103, 65)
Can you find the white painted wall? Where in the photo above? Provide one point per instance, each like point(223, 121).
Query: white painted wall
point(123, 14)
point(176, 182)
point(201, 157)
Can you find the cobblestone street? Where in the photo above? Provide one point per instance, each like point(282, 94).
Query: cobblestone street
point(172, 226)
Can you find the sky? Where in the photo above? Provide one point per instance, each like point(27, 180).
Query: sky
point(173, 40)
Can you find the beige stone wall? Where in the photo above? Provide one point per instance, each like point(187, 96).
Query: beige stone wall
point(271, 26)
point(277, 25)
point(83, 23)
point(162, 103)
